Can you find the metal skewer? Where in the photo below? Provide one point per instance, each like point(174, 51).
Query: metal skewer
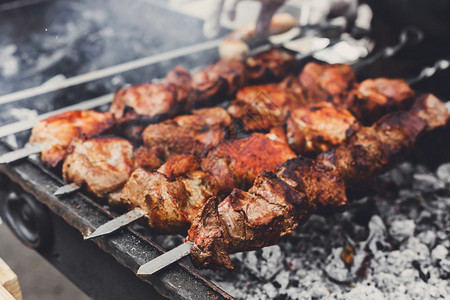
point(20, 153)
point(165, 259)
point(117, 223)
point(67, 189)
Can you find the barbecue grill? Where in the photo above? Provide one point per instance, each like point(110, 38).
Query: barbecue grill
point(106, 267)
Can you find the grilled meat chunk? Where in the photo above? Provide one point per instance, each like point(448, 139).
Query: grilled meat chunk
point(277, 202)
point(231, 70)
point(148, 158)
point(173, 195)
point(261, 107)
point(102, 164)
point(195, 134)
point(148, 101)
point(237, 163)
point(324, 82)
point(180, 164)
point(161, 198)
point(373, 98)
point(319, 127)
point(270, 65)
point(57, 132)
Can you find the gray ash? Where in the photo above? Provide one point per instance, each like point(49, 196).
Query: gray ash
point(399, 249)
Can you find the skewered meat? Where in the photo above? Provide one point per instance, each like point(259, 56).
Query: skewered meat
point(269, 66)
point(327, 82)
point(373, 98)
point(185, 182)
point(173, 195)
point(319, 127)
point(149, 158)
point(196, 133)
point(262, 107)
point(278, 201)
point(103, 164)
point(151, 100)
point(156, 194)
point(237, 163)
point(231, 70)
point(57, 132)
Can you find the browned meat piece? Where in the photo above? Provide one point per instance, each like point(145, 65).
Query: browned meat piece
point(182, 79)
point(237, 163)
point(195, 134)
point(180, 164)
point(148, 158)
point(262, 107)
point(271, 209)
point(270, 65)
point(148, 101)
point(278, 202)
point(232, 71)
point(57, 132)
point(173, 195)
point(323, 82)
point(102, 164)
point(161, 198)
point(375, 97)
point(319, 127)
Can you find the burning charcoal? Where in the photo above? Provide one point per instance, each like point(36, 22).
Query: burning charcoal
point(422, 275)
point(419, 250)
point(401, 230)
point(444, 269)
point(319, 291)
point(282, 279)
point(439, 253)
point(428, 238)
point(426, 183)
point(377, 235)
point(336, 269)
point(264, 263)
point(364, 292)
point(443, 172)
point(347, 254)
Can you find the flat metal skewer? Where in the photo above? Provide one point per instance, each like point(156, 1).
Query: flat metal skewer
point(117, 223)
point(20, 153)
point(165, 259)
point(67, 189)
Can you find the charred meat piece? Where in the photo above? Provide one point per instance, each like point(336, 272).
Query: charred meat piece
point(149, 101)
point(195, 134)
point(327, 82)
point(319, 127)
point(173, 195)
point(182, 79)
point(277, 202)
point(232, 71)
point(262, 107)
point(148, 158)
point(161, 198)
point(102, 164)
point(373, 98)
point(237, 163)
point(57, 132)
point(270, 65)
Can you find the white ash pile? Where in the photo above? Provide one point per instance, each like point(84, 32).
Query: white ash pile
point(394, 245)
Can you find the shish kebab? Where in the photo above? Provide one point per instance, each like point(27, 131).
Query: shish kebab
point(328, 126)
point(279, 201)
point(180, 92)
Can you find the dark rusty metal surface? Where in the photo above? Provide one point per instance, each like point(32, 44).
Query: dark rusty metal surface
point(129, 248)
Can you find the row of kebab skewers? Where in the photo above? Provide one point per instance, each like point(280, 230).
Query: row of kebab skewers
point(311, 142)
